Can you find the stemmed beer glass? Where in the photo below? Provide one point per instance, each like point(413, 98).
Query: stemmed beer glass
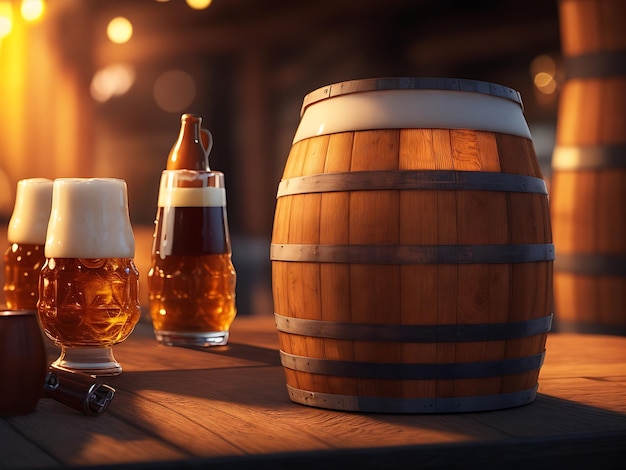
point(89, 285)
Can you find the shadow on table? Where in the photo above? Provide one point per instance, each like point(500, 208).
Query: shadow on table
point(267, 356)
point(176, 407)
point(549, 433)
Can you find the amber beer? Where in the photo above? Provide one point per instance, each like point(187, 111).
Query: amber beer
point(26, 234)
point(89, 302)
point(89, 285)
point(192, 279)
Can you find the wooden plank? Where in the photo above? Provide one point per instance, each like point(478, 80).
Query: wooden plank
point(447, 274)
point(280, 269)
point(335, 277)
point(583, 392)
point(74, 439)
point(595, 451)
point(213, 412)
point(418, 226)
point(286, 228)
point(374, 219)
point(499, 295)
point(131, 353)
point(229, 404)
point(240, 417)
point(529, 281)
point(305, 283)
point(581, 355)
point(550, 417)
point(473, 287)
point(22, 452)
point(295, 160)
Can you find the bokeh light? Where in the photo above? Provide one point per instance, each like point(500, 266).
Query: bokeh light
point(114, 80)
point(6, 18)
point(199, 4)
point(119, 30)
point(543, 70)
point(545, 83)
point(32, 10)
point(174, 91)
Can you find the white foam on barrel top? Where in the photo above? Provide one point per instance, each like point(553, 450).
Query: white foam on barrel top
point(29, 221)
point(412, 109)
point(89, 219)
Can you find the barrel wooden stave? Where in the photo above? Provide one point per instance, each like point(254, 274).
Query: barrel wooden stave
point(446, 294)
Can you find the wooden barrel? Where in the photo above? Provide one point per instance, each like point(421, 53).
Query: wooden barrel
point(588, 188)
point(411, 249)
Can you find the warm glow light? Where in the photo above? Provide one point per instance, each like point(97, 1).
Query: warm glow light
point(174, 91)
point(543, 63)
point(199, 4)
point(545, 83)
point(543, 79)
point(6, 194)
point(6, 18)
point(114, 80)
point(543, 69)
point(119, 30)
point(32, 10)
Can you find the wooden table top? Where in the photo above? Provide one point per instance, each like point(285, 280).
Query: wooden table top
point(228, 406)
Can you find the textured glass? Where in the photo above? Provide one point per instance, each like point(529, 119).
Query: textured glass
point(192, 293)
point(89, 302)
point(22, 264)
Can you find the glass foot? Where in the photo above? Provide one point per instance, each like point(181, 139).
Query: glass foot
point(94, 361)
point(192, 340)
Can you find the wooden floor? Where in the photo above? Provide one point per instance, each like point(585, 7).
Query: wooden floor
point(228, 406)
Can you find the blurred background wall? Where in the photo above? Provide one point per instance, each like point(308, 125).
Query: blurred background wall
point(97, 87)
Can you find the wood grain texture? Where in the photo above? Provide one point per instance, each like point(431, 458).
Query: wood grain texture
point(413, 294)
point(335, 277)
point(418, 283)
point(179, 407)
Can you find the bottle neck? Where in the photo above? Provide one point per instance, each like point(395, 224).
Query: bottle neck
point(188, 153)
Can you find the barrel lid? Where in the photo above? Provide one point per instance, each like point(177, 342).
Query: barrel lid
point(410, 83)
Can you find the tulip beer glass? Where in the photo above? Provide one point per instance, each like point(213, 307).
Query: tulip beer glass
point(26, 234)
point(192, 280)
point(89, 285)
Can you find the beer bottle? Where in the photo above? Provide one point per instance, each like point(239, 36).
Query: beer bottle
point(191, 282)
point(191, 150)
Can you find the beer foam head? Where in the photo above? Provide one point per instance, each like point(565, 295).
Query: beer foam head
point(29, 221)
point(89, 219)
point(190, 188)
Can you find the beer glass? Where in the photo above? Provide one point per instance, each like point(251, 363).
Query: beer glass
point(26, 235)
point(89, 285)
point(192, 280)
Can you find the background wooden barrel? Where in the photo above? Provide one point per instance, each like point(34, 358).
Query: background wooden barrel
point(588, 189)
point(412, 265)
